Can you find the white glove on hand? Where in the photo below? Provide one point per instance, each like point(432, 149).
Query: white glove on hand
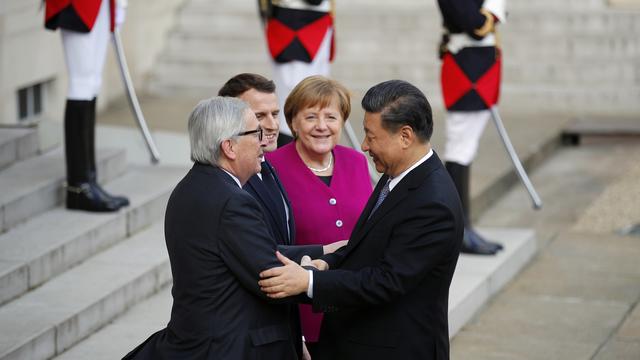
point(121, 12)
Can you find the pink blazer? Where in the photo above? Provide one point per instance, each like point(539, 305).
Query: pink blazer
point(323, 214)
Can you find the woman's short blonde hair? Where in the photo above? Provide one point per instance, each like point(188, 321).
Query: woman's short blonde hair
point(319, 91)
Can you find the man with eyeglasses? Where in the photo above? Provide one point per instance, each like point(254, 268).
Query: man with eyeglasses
point(217, 245)
point(260, 94)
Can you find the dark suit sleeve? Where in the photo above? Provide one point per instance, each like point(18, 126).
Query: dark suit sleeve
point(334, 259)
point(296, 252)
point(418, 243)
point(245, 243)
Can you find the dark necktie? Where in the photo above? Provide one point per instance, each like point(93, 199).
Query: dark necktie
point(383, 195)
point(274, 194)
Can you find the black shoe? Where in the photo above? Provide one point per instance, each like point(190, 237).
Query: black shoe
point(84, 193)
point(120, 201)
point(87, 197)
point(475, 234)
point(473, 243)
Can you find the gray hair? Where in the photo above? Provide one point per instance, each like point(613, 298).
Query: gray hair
point(210, 123)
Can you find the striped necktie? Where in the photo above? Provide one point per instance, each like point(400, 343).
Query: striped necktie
point(383, 195)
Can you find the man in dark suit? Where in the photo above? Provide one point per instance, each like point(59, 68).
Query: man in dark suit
point(386, 295)
point(217, 242)
point(260, 94)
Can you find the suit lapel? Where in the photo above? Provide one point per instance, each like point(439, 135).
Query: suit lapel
point(411, 181)
point(259, 189)
point(292, 228)
point(369, 206)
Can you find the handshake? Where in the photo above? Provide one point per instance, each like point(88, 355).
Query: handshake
point(318, 264)
point(293, 278)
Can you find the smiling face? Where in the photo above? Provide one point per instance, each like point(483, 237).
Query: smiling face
point(265, 107)
point(318, 129)
point(384, 147)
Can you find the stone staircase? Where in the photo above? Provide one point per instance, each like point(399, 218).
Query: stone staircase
point(65, 274)
point(569, 56)
point(76, 285)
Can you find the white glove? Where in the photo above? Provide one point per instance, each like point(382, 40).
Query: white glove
point(498, 8)
point(121, 12)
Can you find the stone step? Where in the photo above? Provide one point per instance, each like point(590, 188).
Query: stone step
point(47, 245)
point(35, 185)
point(50, 319)
point(17, 144)
point(578, 100)
point(587, 99)
point(245, 22)
point(479, 278)
point(476, 280)
point(126, 332)
point(360, 5)
point(558, 74)
point(369, 49)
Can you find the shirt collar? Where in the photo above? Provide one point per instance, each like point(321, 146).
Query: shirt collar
point(396, 180)
point(234, 178)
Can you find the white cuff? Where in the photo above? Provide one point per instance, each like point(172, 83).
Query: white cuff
point(310, 287)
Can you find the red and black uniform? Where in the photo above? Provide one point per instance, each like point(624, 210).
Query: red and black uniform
point(76, 15)
point(470, 79)
point(85, 27)
point(471, 63)
point(296, 33)
point(300, 39)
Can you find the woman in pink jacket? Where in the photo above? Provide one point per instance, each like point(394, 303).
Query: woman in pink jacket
point(328, 184)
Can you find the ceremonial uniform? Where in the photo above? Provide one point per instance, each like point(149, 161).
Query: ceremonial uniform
point(300, 39)
point(470, 78)
point(85, 26)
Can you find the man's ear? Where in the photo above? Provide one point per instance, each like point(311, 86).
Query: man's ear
point(228, 149)
point(407, 136)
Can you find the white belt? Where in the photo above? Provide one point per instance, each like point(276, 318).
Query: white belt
point(325, 6)
point(458, 42)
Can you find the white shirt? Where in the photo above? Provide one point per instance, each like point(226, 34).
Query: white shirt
point(395, 181)
point(286, 208)
point(234, 178)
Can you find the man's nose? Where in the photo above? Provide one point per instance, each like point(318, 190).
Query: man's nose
point(263, 142)
point(364, 146)
point(269, 122)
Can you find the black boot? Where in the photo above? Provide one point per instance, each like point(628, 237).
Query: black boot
point(472, 242)
point(120, 201)
point(82, 193)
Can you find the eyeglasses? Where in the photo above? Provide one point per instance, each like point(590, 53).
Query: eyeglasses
point(257, 131)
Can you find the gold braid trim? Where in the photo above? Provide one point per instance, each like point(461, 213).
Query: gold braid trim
point(487, 27)
point(333, 11)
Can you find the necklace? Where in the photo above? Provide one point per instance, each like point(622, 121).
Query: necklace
point(324, 168)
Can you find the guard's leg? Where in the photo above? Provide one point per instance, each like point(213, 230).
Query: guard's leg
point(464, 130)
point(84, 67)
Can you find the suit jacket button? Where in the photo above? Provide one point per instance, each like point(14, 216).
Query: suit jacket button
point(339, 223)
point(332, 201)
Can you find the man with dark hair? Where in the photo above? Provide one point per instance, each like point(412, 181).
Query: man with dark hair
point(259, 93)
point(217, 245)
point(386, 295)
